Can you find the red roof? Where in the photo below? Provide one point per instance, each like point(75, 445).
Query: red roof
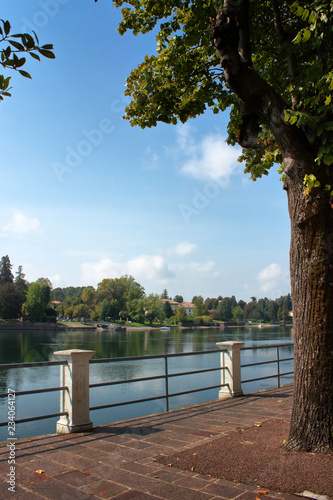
point(188, 305)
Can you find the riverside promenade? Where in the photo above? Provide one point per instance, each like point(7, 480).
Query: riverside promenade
point(120, 460)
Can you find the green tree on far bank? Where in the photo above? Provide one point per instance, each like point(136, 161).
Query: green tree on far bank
point(37, 299)
point(154, 310)
point(167, 309)
point(6, 275)
point(224, 310)
point(238, 314)
point(21, 283)
point(11, 301)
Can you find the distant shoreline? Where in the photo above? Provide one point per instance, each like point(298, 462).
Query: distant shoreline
point(59, 326)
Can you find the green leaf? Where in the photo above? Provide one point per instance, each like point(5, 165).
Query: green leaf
point(7, 27)
point(34, 56)
point(46, 53)
point(24, 73)
point(328, 159)
point(17, 45)
point(306, 35)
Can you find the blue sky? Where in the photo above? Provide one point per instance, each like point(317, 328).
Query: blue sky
point(85, 196)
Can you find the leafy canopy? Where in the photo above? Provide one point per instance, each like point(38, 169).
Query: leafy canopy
point(291, 49)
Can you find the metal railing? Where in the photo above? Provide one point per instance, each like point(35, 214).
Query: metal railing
point(166, 376)
point(34, 391)
point(277, 361)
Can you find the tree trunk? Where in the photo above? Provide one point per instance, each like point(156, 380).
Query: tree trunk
point(311, 250)
point(311, 272)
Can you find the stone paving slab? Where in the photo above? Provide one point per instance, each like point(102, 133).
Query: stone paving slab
point(118, 460)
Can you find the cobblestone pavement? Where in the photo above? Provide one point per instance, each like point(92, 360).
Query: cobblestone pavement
point(119, 460)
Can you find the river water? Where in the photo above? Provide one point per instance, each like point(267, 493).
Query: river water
point(34, 346)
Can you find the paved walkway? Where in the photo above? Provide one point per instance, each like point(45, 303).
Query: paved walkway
point(119, 460)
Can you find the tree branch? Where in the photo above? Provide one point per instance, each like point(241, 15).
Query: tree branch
point(244, 47)
point(284, 38)
point(260, 102)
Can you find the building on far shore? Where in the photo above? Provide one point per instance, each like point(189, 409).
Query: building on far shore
point(172, 303)
point(189, 307)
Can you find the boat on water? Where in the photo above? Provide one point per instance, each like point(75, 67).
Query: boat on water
point(165, 328)
point(101, 327)
point(117, 328)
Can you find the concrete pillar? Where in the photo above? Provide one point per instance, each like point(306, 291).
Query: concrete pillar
point(230, 359)
point(75, 401)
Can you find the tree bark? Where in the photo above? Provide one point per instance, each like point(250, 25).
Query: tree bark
point(311, 249)
point(311, 273)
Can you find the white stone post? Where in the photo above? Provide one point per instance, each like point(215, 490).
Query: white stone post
point(230, 359)
point(75, 400)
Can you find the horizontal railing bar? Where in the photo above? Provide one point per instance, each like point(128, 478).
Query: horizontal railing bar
point(260, 363)
point(126, 381)
point(259, 378)
point(35, 391)
point(204, 370)
point(32, 419)
point(266, 346)
point(197, 390)
point(32, 365)
point(269, 376)
point(157, 377)
point(112, 405)
point(285, 374)
point(266, 362)
point(155, 356)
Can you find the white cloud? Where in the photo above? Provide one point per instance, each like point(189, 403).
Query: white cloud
point(143, 267)
point(55, 280)
point(203, 267)
point(193, 269)
point(151, 267)
point(209, 159)
point(185, 248)
point(96, 271)
point(21, 224)
point(274, 278)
